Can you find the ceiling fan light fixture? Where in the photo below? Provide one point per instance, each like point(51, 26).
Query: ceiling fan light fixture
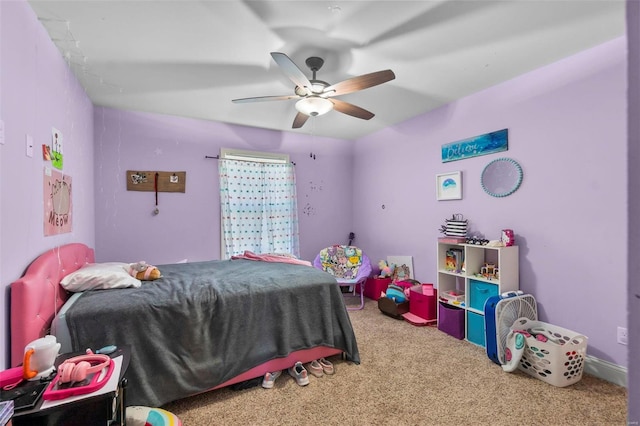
point(314, 105)
point(317, 87)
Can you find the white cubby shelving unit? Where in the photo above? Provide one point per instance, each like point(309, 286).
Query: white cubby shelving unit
point(467, 313)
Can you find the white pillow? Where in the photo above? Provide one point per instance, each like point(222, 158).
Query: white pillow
point(100, 276)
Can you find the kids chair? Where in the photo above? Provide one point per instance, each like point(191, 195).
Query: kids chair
point(348, 265)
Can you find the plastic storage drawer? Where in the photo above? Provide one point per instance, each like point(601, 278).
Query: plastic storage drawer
point(479, 292)
point(475, 328)
point(451, 320)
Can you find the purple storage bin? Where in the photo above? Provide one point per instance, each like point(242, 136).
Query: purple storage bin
point(451, 320)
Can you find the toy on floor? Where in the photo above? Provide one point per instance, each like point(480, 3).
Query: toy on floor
point(400, 291)
point(396, 293)
point(148, 416)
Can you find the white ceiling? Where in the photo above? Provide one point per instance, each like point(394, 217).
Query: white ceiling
point(191, 58)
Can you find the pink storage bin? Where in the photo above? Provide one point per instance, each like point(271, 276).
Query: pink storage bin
point(423, 301)
point(375, 286)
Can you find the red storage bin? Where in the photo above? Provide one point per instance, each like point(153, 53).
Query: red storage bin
point(374, 286)
point(423, 301)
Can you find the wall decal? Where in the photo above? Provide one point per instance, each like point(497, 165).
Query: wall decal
point(57, 202)
point(488, 143)
point(56, 148)
point(309, 210)
point(313, 186)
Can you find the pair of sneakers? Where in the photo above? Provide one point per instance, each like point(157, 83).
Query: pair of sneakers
point(270, 379)
point(318, 368)
point(298, 372)
point(321, 367)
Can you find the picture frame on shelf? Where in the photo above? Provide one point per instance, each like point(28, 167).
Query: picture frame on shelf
point(449, 186)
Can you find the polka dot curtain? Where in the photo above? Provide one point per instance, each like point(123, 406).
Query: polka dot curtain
point(258, 207)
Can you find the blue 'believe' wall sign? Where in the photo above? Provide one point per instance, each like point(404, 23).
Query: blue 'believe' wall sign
point(473, 147)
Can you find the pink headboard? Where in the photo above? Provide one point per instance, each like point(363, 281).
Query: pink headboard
point(37, 296)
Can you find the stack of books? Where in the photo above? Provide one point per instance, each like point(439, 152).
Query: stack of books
point(6, 411)
point(454, 260)
point(452, 240)
point(456, 228)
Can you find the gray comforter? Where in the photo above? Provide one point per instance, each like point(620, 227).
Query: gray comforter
point(206, 322)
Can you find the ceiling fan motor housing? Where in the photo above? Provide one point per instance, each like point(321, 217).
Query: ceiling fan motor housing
point(314, 103)
point(314, 63)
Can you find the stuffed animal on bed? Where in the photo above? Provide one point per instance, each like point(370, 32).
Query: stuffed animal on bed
point(144, 272)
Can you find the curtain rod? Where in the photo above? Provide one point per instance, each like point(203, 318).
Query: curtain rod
point(217, 157)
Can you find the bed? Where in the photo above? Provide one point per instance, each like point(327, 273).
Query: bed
point(203, 325)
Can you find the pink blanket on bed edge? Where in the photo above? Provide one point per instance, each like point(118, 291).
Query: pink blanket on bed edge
point(249, 255)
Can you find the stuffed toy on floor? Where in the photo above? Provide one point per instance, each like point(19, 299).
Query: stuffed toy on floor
point(147, 416)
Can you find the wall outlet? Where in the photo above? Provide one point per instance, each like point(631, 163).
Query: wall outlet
point(623, 336)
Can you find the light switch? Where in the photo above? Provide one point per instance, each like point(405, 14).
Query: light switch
point(29, 144)
point(1, 132)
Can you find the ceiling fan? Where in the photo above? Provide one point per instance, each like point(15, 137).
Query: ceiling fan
point(317, 97)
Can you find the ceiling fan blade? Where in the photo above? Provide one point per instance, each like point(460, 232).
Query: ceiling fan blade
point(291, 70)
point(359, 83)
point(265, 98)
point(352, 110)
point(299, 120)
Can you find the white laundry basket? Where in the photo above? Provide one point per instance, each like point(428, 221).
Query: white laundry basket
point(559, 360)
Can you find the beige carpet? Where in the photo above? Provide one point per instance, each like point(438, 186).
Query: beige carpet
point(411, 376)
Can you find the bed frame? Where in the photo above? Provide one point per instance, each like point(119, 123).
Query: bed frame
point(38, 296)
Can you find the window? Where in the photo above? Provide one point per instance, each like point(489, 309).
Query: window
point(258, 203)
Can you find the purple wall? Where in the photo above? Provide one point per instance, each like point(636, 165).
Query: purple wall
point(38, 92)
point(633, 36)
point(188, 225)
point(567, 129)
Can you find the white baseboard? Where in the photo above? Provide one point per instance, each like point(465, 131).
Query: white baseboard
point(606, 371)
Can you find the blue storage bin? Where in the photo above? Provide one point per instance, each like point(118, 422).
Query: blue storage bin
point(479, 292)
point(475, 328)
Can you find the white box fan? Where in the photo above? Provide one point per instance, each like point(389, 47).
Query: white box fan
point(501, 312)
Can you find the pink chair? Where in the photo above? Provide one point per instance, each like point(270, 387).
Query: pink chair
point(349, 266)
